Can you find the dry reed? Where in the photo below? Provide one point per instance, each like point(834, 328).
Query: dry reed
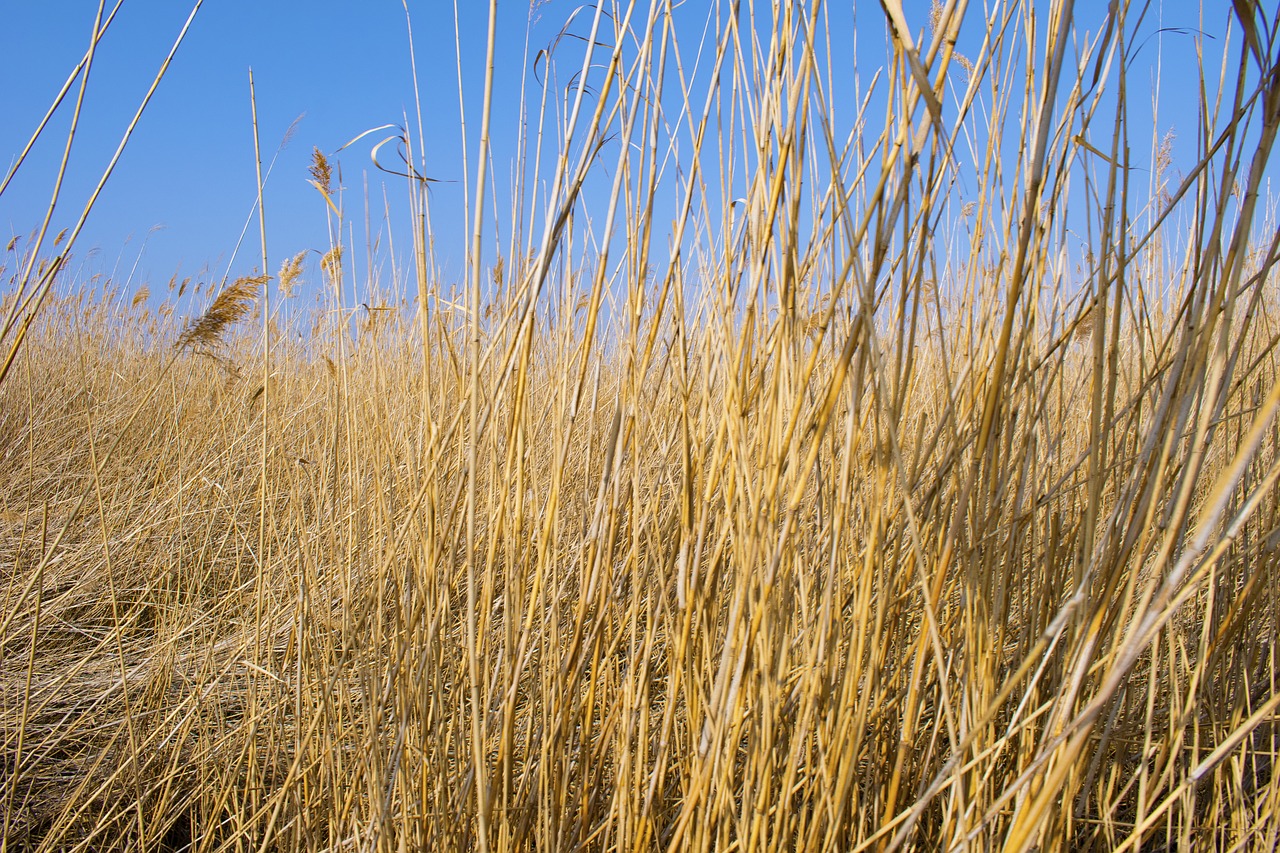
point(863, 509)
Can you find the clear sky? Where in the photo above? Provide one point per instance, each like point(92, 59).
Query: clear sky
point(186, 183)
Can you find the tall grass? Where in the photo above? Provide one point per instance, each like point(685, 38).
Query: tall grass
point(788, 476)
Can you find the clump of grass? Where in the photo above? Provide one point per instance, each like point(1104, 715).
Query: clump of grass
point(865, 508)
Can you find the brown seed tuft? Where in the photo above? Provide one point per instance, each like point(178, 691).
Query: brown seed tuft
point(230, 307)
point(331, 263)
point(320, 171)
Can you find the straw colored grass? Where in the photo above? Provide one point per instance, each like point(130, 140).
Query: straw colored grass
point(823, 493)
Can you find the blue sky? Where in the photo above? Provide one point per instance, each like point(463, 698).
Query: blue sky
point(186, 183)
point(342, 66)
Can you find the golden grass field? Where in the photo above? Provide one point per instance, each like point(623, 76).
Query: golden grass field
point(872, 518)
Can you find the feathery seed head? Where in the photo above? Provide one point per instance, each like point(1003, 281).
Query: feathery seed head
point(231, 306)
point(320, 171)
point(291, 274)
point(331, 263)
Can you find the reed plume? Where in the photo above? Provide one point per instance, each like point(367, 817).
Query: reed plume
point(291, 274)
point(231, 306)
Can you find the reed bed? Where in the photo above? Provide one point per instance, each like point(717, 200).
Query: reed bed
point(803, 466)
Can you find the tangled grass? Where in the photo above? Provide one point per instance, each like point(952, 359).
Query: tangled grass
point(862, 514)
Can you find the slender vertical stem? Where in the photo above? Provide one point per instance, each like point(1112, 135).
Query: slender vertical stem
point(261, 581)
point(473, 652)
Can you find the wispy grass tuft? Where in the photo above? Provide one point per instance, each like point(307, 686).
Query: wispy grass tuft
point(231, 306)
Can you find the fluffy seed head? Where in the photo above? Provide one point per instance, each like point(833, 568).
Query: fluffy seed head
point(229, 308)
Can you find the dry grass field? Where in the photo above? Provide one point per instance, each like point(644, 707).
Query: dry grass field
point(865, 511)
